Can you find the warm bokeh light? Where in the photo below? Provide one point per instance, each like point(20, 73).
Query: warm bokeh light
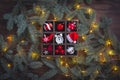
point(89, 10)
point(94, 25)
point(108, 42)
point(9, 65)
point(115, 68)
point(77, 6)
point(111, 52)
point(37, 8)
point(34, 55)
point(84, 37)
point(10, 38)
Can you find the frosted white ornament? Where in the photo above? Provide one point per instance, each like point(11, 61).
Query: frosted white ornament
point(59, 38)
point(70, 50)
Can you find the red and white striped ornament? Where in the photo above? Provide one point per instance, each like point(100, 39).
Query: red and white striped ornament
point(48, 26)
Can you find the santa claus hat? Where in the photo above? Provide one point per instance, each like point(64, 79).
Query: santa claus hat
point(72, 37)
point(48, 26)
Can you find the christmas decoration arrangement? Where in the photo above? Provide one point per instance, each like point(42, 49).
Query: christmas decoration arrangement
point(62, 35)
point(84, 48)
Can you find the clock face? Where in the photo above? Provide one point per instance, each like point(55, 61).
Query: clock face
point(59, 38)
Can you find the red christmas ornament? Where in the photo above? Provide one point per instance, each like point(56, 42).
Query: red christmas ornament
point(59, 50)
point(71, 26)
point(50, 48)
point(72, 37)
point(48, 26)
point(59, 47)
point(62, 52)
point(56, 51)
point(60, 27)
point(47, 38)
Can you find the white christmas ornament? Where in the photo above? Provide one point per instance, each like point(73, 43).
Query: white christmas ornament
point(70, 50)
point(59, 39)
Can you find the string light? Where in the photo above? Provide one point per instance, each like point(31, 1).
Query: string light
point(74, 60)
point(22, 41)
point(5, 49)
point(69, 18)
point(89, 10)
point(37, 8)
point(102, 58)
point(111, 52)
point(91, 31)
point(94, 25)
point(43, 12)
point(115, 68)
point(83, 72)
point(83, 37)
point(108, 42)
point(85, 50)
point(33, 22)
point(61, 62)
point(55, 18)
point(48, 57)
point(9, 65)
point(66, 75)
point(97, 72)
point(10, 38)
point(34, 55)
point(66, 65)
point(77, 6)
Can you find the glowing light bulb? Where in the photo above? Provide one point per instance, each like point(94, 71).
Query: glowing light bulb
point(108, 42)
point(115, 68)
point(34, 55)
point(66, 74)
point(110, 52)
point(61, 62)
point(91, 31)
point(10, 38)
point(66, 65)
point(94, 25)
point(9, 65)
point(33, 22)
point(83, 37)
point(89, 11)
point(69, 18)
point(77, 6)
point(43, 12)
point(83, 71)
point(5, 49)
point(48, 57)
point(37, 8)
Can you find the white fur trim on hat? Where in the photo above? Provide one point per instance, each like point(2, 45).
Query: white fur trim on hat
point(74, 41)
point(69, 38)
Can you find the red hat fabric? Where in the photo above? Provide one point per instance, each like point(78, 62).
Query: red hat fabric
point(72, 37)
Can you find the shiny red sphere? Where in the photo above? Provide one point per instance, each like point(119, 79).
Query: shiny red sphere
point(60, 27)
